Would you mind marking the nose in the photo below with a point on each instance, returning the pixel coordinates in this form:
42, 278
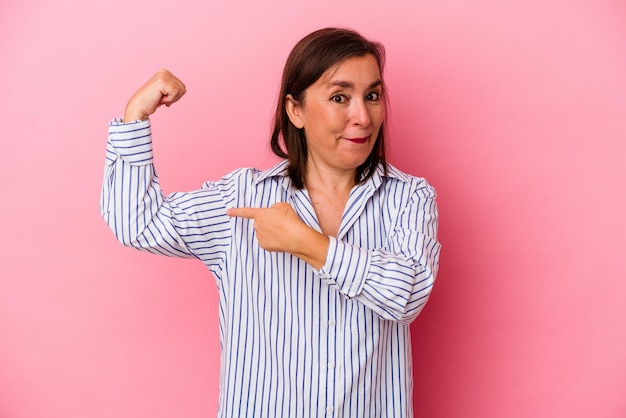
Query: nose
359, 113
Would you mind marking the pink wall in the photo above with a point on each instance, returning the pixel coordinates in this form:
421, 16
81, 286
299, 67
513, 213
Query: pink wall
515, 111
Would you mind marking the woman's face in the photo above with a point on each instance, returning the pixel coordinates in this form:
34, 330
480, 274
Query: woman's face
341, 114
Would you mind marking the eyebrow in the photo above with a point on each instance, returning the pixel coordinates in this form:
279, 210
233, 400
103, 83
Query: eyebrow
349, 85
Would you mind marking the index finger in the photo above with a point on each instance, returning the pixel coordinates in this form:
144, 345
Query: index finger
243, 212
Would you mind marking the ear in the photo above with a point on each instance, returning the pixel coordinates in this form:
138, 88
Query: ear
294, 111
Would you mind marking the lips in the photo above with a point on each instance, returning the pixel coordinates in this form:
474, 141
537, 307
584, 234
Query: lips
358, 140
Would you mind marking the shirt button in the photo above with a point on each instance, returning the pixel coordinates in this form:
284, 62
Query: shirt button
331, 365
329, 409
331, 323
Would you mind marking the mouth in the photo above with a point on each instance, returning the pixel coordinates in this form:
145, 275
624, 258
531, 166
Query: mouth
358, 140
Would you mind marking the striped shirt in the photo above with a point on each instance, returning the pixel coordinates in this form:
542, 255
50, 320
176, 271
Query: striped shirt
295, 341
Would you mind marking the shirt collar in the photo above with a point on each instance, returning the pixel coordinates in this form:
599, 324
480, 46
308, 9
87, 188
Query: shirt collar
280, 170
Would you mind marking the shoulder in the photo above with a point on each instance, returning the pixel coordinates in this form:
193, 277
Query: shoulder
247, 176
242, 184
417, 185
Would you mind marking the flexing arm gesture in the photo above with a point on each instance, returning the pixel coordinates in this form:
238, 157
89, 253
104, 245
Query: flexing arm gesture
162, 89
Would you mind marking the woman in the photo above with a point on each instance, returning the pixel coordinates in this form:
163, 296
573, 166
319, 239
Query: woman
321, 262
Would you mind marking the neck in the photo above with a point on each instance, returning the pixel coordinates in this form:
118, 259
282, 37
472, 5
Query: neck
328, 179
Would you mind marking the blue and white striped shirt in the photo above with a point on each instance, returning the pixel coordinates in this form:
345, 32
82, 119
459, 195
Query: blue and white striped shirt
295, 341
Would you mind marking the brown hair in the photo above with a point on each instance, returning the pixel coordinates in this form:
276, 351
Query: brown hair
308, 60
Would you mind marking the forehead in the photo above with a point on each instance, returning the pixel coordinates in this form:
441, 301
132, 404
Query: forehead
353, 70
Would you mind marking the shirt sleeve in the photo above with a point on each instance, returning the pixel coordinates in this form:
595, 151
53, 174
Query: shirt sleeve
185, 225
394, 281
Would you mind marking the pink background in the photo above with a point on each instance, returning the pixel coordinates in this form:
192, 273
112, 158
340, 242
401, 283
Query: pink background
514, 110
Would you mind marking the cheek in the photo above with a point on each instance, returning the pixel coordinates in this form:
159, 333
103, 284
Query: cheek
326, 119
335, 121
378, 115
337, 116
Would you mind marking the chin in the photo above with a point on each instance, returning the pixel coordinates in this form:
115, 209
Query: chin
354, 164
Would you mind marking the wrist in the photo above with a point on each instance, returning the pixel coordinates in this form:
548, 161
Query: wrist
131, 115
312, 247
135, 110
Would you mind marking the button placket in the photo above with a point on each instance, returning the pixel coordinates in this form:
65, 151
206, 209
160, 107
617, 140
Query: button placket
335, 347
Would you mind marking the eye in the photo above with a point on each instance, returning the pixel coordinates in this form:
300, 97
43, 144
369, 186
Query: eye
339, 98
373, 96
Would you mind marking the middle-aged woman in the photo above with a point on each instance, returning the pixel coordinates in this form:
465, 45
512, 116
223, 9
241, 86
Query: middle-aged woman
321, 262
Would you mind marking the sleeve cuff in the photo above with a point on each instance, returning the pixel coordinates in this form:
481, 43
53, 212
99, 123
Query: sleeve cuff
132, 142
346, 266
